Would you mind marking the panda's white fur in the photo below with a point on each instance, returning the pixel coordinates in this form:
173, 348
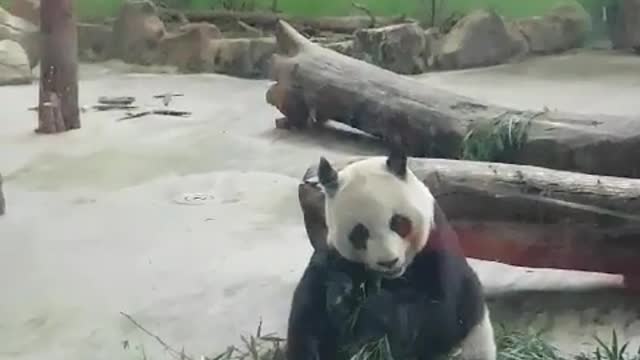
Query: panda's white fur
369, 192
480, 343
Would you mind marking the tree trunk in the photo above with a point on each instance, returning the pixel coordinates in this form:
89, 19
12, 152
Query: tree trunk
523, 215
314, 84
58, 108
265, 20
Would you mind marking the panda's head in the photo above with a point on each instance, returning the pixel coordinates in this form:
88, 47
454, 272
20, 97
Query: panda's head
378, 212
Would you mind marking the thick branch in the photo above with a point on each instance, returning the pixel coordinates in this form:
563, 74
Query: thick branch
433, 122
523, 215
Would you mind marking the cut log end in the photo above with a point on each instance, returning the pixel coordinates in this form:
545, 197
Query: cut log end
290, 42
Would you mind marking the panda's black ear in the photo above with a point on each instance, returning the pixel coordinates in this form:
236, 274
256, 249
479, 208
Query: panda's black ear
327, 176
397, 161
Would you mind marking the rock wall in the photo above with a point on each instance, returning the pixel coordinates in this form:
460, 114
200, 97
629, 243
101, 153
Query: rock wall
482, 38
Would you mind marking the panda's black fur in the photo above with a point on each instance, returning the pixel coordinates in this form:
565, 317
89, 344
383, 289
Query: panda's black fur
427, 312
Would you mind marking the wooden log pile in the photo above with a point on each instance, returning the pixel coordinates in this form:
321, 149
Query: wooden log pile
578, 208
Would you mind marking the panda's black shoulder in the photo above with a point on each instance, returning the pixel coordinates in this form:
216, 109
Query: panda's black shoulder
309, 332
444, 272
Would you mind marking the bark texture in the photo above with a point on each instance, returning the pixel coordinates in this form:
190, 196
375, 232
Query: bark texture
58, 107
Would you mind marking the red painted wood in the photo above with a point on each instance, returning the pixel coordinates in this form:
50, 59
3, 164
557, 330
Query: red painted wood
542, 249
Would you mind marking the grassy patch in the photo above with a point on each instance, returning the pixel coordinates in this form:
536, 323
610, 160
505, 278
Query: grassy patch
498, 139
512, 345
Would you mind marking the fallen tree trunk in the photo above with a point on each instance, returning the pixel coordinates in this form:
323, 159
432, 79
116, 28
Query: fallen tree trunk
314, 84
522, 215
265, 20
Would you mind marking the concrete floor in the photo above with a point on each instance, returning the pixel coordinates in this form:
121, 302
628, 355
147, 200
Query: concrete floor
103, 219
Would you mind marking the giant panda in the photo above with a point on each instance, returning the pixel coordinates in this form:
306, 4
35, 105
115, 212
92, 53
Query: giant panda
384, 223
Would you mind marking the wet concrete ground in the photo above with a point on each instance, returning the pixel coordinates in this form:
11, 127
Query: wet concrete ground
103, 219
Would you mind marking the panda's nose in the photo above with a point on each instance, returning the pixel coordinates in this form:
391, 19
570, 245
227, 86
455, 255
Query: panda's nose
389, 264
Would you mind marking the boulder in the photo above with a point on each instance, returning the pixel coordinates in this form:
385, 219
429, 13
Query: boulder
14, 64
478, 39
3, 205
563, 28
626, 27
343, 47
94, 41
248, 58
399, 48
187, 48
432, 43
519, 44
137, 32
21, 31
27, 9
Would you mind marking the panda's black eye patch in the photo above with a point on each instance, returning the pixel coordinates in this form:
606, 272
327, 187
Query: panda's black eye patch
359, 236
400, 224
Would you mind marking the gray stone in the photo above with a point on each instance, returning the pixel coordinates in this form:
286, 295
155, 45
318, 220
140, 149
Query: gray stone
433, 43
248, 58
94, 42
14, 64
137, 32
519, 43
478, 39
343, 47
399, 48
187, 48
23, 32
563, 28
626, 31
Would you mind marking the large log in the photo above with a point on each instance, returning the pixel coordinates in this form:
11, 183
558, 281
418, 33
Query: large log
266, 20
314, 84
522, 215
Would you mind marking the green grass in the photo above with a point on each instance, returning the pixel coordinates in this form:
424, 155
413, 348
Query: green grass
512, 345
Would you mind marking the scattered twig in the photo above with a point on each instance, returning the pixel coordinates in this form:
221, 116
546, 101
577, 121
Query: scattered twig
162, 96
248, 28
366, 10
166, 98
106, 107
118, 100
175, 353
177, 113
